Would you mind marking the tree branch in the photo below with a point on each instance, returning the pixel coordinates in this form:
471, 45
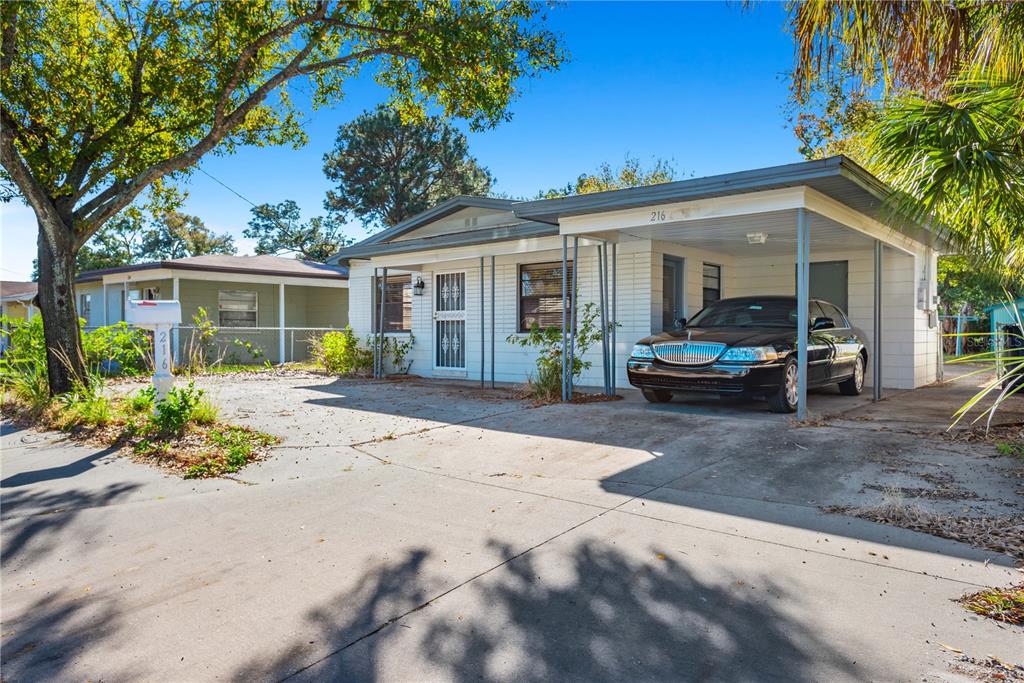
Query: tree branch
252, 49
7, 40
21, 174
119, 195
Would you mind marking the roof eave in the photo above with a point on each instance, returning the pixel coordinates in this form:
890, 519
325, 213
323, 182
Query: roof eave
450, 240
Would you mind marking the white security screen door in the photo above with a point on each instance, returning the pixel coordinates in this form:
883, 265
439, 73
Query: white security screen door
450, 321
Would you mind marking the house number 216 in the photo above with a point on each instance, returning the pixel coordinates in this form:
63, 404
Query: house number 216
657, 216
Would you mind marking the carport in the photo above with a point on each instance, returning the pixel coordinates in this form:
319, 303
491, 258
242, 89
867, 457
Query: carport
771, 225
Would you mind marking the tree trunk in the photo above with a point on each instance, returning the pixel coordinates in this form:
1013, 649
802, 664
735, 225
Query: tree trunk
65, 363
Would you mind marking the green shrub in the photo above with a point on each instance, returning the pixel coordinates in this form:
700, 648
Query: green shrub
174, 412
25, 346
117, 349
339, 353
141, 401
546, 384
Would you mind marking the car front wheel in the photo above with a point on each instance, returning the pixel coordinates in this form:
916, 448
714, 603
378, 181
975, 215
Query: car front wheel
854, 385
784, 399
657, 395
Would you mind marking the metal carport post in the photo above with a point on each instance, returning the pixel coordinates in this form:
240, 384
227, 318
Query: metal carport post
565, 284
803, 322
876, 333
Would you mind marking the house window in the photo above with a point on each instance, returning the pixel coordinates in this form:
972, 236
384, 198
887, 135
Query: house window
237, 308
151, 293
85, 307
397, 304
712, 283
540, 295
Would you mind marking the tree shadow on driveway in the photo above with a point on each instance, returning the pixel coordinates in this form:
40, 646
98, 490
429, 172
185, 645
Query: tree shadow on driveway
33, 519
589, 613
65, 471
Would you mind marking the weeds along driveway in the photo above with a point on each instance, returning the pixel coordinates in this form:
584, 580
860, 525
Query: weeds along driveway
421, 532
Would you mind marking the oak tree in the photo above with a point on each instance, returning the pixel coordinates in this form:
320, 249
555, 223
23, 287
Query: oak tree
100, 99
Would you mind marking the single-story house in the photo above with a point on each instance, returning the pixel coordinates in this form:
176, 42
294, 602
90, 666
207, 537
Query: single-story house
271, 303
16, 299
471, 272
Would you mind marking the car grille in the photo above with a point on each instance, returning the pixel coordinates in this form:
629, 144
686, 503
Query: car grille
688, 352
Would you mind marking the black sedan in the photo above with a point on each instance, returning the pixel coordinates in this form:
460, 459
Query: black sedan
747, 347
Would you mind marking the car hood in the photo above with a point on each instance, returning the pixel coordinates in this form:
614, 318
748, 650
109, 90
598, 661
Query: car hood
731, 336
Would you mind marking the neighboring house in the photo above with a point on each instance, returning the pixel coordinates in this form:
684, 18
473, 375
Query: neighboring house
1000, 317
16, 299
16, 303
677, 246
273, 303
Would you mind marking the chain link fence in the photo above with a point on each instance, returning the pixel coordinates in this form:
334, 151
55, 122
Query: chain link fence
198, 346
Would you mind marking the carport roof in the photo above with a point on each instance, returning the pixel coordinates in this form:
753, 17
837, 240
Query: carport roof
837, 177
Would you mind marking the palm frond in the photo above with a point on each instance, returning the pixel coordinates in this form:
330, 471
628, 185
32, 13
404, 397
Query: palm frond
957, 163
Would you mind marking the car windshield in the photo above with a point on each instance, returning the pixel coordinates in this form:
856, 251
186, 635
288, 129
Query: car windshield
747, 313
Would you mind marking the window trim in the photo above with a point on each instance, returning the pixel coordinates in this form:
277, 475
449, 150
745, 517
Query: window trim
375, 303
85, 307
519, 289
255, 310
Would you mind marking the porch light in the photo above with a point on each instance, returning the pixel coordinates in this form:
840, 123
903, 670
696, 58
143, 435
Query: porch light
757, 237
417, 289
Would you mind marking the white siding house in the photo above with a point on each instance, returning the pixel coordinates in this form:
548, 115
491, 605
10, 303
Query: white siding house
744, 224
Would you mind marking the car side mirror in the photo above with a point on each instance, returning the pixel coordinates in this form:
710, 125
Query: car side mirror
681, 323
823, 324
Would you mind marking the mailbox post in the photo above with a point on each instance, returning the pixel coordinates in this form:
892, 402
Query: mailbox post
161, 317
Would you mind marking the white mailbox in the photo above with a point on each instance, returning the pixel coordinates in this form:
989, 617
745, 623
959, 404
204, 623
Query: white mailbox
149, 314
161, 317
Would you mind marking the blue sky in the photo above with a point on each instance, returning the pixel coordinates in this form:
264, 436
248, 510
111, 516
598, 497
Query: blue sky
700, 84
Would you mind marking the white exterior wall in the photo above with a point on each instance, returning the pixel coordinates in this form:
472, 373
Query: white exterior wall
513, 363
909, 344
901, 321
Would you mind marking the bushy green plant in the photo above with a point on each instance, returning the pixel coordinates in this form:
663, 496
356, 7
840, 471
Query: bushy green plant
174, 412
142, 400
396, 350
24, 348
117, 349
546, 384
338, 352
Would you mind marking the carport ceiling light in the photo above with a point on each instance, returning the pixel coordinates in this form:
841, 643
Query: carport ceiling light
757, 237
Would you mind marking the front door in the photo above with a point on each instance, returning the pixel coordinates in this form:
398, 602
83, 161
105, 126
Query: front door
450, 321
671, 293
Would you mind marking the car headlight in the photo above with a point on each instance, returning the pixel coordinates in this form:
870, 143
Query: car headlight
642, 351
749, 354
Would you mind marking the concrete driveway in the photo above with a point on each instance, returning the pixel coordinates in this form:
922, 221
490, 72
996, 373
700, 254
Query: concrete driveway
424, 532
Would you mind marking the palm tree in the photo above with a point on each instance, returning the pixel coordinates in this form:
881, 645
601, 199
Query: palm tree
948, 134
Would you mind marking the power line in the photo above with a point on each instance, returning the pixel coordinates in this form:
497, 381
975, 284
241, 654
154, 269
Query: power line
226, 187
